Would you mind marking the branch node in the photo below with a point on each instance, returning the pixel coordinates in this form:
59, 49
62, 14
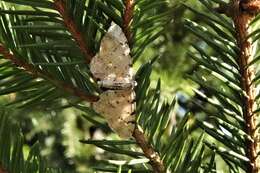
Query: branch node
250, 7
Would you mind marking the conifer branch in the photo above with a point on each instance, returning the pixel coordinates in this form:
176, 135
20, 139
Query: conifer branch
34, 71
138, 133
241, 21
148, 150
60, 6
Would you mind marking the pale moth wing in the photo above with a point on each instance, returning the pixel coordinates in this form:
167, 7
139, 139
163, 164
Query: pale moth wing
117, 108
112, 67
113, 63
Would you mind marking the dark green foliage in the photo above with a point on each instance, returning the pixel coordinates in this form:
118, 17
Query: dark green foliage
12, 155
148, 24
216, 53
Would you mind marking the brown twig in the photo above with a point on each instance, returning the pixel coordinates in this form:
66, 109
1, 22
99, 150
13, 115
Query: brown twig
128, 17
149, 152
34, 71
138, 134
60, 6
242, 20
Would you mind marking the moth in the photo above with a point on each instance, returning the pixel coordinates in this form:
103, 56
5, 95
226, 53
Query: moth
112, 67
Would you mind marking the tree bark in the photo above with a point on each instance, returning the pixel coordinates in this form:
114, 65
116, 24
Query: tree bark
243, 13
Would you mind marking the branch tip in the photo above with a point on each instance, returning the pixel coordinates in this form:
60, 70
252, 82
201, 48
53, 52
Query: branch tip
128, 17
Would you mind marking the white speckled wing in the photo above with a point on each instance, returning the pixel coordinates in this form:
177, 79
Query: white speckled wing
113, 62
118, 108
112, 66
